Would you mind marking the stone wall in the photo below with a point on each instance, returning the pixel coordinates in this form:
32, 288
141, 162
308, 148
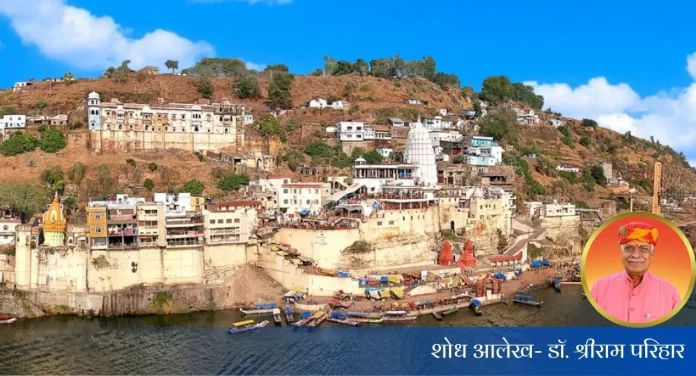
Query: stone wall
109, 140
80, 270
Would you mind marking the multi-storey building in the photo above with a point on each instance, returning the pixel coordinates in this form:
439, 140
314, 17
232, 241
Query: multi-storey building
8, 227
349, 131
182, 226
113, 224
151, 224
230, 221
302, 197
192, 127
484, 151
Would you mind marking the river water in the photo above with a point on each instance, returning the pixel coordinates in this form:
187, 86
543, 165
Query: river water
198, 343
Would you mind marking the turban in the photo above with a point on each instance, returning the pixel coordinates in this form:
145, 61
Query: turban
639, 231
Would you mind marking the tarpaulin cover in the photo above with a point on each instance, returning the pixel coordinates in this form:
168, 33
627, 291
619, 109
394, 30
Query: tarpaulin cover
374, 294
282, 253
266, 305
476, 303
274, 248
305, 315
394, 278
384, 293
383, 279
343, 274
398, 292
340, 316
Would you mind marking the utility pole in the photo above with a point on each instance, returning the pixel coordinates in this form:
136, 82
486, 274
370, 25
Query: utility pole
657, 184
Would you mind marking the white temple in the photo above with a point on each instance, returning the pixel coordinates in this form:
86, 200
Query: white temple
419, 152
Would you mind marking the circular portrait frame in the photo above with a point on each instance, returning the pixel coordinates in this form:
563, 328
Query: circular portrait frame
637, 216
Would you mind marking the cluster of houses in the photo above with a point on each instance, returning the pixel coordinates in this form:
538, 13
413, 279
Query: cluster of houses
13, 123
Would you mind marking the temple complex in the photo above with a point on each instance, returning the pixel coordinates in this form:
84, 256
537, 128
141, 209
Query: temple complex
54, 224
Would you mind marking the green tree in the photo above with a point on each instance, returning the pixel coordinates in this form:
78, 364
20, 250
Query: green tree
320, 152
217, 67
589, 123
373, 157
429, 68
318, 73
172, 64
597, 173
467, 92
499, 124
70, 203
269, 126
152, 166
524, 93
193, 186
279, 94
277, 68
247, 86
77, 173
23, 198
53, 178
585, 141
446, 79
458, 159
68, 76
231, 183
329, 65
41, 104
18, 143
149, 184
52, 140
205, 87
497, 89
361, 67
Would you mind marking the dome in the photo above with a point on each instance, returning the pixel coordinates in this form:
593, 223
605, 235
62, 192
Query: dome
360, 160
93, 95
53, 219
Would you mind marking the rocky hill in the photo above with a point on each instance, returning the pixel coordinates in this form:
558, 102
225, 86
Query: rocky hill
372, 99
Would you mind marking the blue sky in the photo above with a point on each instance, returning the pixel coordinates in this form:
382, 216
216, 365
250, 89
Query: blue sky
623, 63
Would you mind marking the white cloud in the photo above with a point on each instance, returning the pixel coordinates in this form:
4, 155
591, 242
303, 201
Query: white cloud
669, 116
256, 67
78, 38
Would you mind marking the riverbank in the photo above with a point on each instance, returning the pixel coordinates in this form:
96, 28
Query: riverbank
247, 286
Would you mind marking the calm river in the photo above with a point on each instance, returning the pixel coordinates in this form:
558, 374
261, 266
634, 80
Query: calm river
199, 344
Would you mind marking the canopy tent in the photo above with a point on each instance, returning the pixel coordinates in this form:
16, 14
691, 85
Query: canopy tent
476, 303
384, 293
395, 278
340, 194
397, 292
374, 294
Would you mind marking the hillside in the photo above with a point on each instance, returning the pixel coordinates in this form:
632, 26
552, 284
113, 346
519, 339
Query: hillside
372, 99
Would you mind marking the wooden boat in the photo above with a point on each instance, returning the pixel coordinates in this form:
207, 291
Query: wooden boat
276, 316
450, 311
437, 315
7, 319
476, 307
244, 326
288, 315
342, 318
397, 316
526, 300
305, 317
368, 321
260, 309
317, 319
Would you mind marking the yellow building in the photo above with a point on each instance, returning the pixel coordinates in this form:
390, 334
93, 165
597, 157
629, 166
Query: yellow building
197, 203
96, 220
54, 224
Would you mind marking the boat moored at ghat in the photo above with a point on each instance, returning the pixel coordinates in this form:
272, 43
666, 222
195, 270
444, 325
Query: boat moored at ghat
7, 319
342, 318
526, 300
247, 325
260, 309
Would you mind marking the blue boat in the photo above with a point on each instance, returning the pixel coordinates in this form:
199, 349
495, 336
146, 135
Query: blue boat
305, 317
342, 318
288, 315
245, 326
476, 307
260, 309
526, 300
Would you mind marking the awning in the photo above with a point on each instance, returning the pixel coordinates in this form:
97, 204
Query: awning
340, 194
282, 253
275, 248
384, 293
374, 294
398, 292
395, 278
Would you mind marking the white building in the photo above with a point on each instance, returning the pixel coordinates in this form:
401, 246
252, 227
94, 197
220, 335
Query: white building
396, 122
347, 131
301, 198
174, 203
385, 152
561, 168
8, 226
556, 123
248, 119
419, 152
558, 210
443, 112
447, 136
321, 103
12, 122
230, 221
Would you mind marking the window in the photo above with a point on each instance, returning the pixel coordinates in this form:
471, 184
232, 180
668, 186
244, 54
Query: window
98, 230
391, 223
236, 220
212, 221
285, 181
97, 216
379, 223
285, 191
309, 202
285, 201
229, 220
220, 220
316, 191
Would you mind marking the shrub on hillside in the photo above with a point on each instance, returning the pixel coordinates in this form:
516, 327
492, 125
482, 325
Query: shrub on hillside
193, 186
231, 183
52, 140
18, 143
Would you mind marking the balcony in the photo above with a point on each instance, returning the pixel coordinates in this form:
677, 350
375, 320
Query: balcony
124, 232
183, 234
184, 222
175, 243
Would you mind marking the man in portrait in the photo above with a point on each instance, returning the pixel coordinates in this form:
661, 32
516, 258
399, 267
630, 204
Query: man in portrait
635, 295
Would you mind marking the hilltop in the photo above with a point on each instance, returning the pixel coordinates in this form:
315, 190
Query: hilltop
371, 99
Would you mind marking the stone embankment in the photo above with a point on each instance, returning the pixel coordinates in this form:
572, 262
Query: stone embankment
249, 285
